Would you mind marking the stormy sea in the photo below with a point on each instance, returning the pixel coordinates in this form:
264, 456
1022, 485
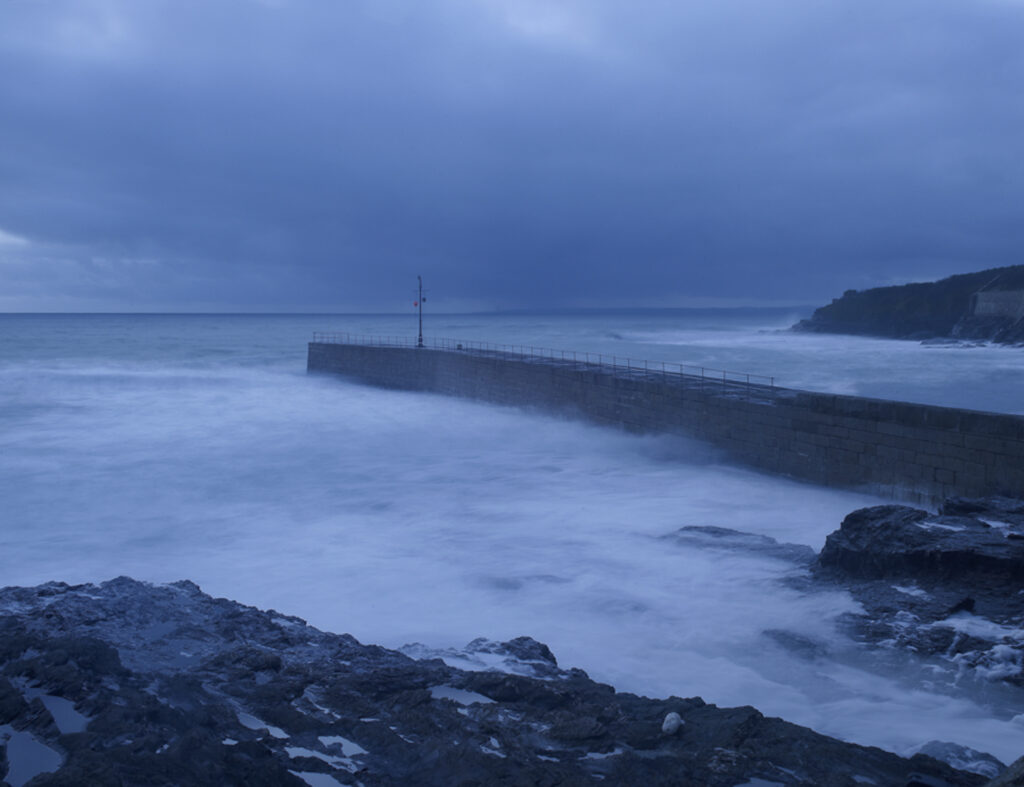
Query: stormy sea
166, 447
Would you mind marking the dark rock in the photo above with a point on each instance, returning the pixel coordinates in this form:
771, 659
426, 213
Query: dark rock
897, 541
946, 585
520, 648
708, 537
1011, 777
923, 780
1001, 509
181, 688
965, 604
964, 758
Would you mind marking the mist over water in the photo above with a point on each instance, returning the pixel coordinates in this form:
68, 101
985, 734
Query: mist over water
171, 447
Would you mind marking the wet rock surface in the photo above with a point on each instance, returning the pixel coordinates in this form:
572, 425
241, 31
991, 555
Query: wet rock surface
949, 584
1011, 777
941, 599
726, 540
979, 547
128, 683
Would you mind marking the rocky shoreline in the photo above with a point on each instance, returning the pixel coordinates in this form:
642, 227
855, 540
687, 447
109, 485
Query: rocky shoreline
949, 585
130, 683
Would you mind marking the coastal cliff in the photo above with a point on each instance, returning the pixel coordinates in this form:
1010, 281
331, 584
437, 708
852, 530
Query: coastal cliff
986, 305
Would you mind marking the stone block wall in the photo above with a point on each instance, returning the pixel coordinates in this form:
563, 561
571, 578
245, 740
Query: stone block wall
999, 303
905, 451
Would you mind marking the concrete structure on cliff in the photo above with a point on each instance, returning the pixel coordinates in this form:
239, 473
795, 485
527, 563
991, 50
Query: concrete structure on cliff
905, 451
998, 303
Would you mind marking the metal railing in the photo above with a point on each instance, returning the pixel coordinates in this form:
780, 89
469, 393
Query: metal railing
685, 375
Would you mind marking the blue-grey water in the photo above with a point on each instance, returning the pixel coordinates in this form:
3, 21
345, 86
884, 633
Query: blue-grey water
165, 447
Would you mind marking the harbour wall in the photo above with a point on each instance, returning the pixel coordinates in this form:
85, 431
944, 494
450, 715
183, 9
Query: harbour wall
905, 451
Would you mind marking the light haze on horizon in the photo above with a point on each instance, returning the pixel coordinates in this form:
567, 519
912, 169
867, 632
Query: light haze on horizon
303, 155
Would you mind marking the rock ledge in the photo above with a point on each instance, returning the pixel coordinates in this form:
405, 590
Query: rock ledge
129, 683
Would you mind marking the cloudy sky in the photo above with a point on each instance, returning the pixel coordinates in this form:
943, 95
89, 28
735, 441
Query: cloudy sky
253, 155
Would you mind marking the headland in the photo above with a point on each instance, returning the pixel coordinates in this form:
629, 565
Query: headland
986, 305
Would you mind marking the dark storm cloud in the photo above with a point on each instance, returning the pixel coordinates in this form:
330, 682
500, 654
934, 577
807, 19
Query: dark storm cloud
309, 154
